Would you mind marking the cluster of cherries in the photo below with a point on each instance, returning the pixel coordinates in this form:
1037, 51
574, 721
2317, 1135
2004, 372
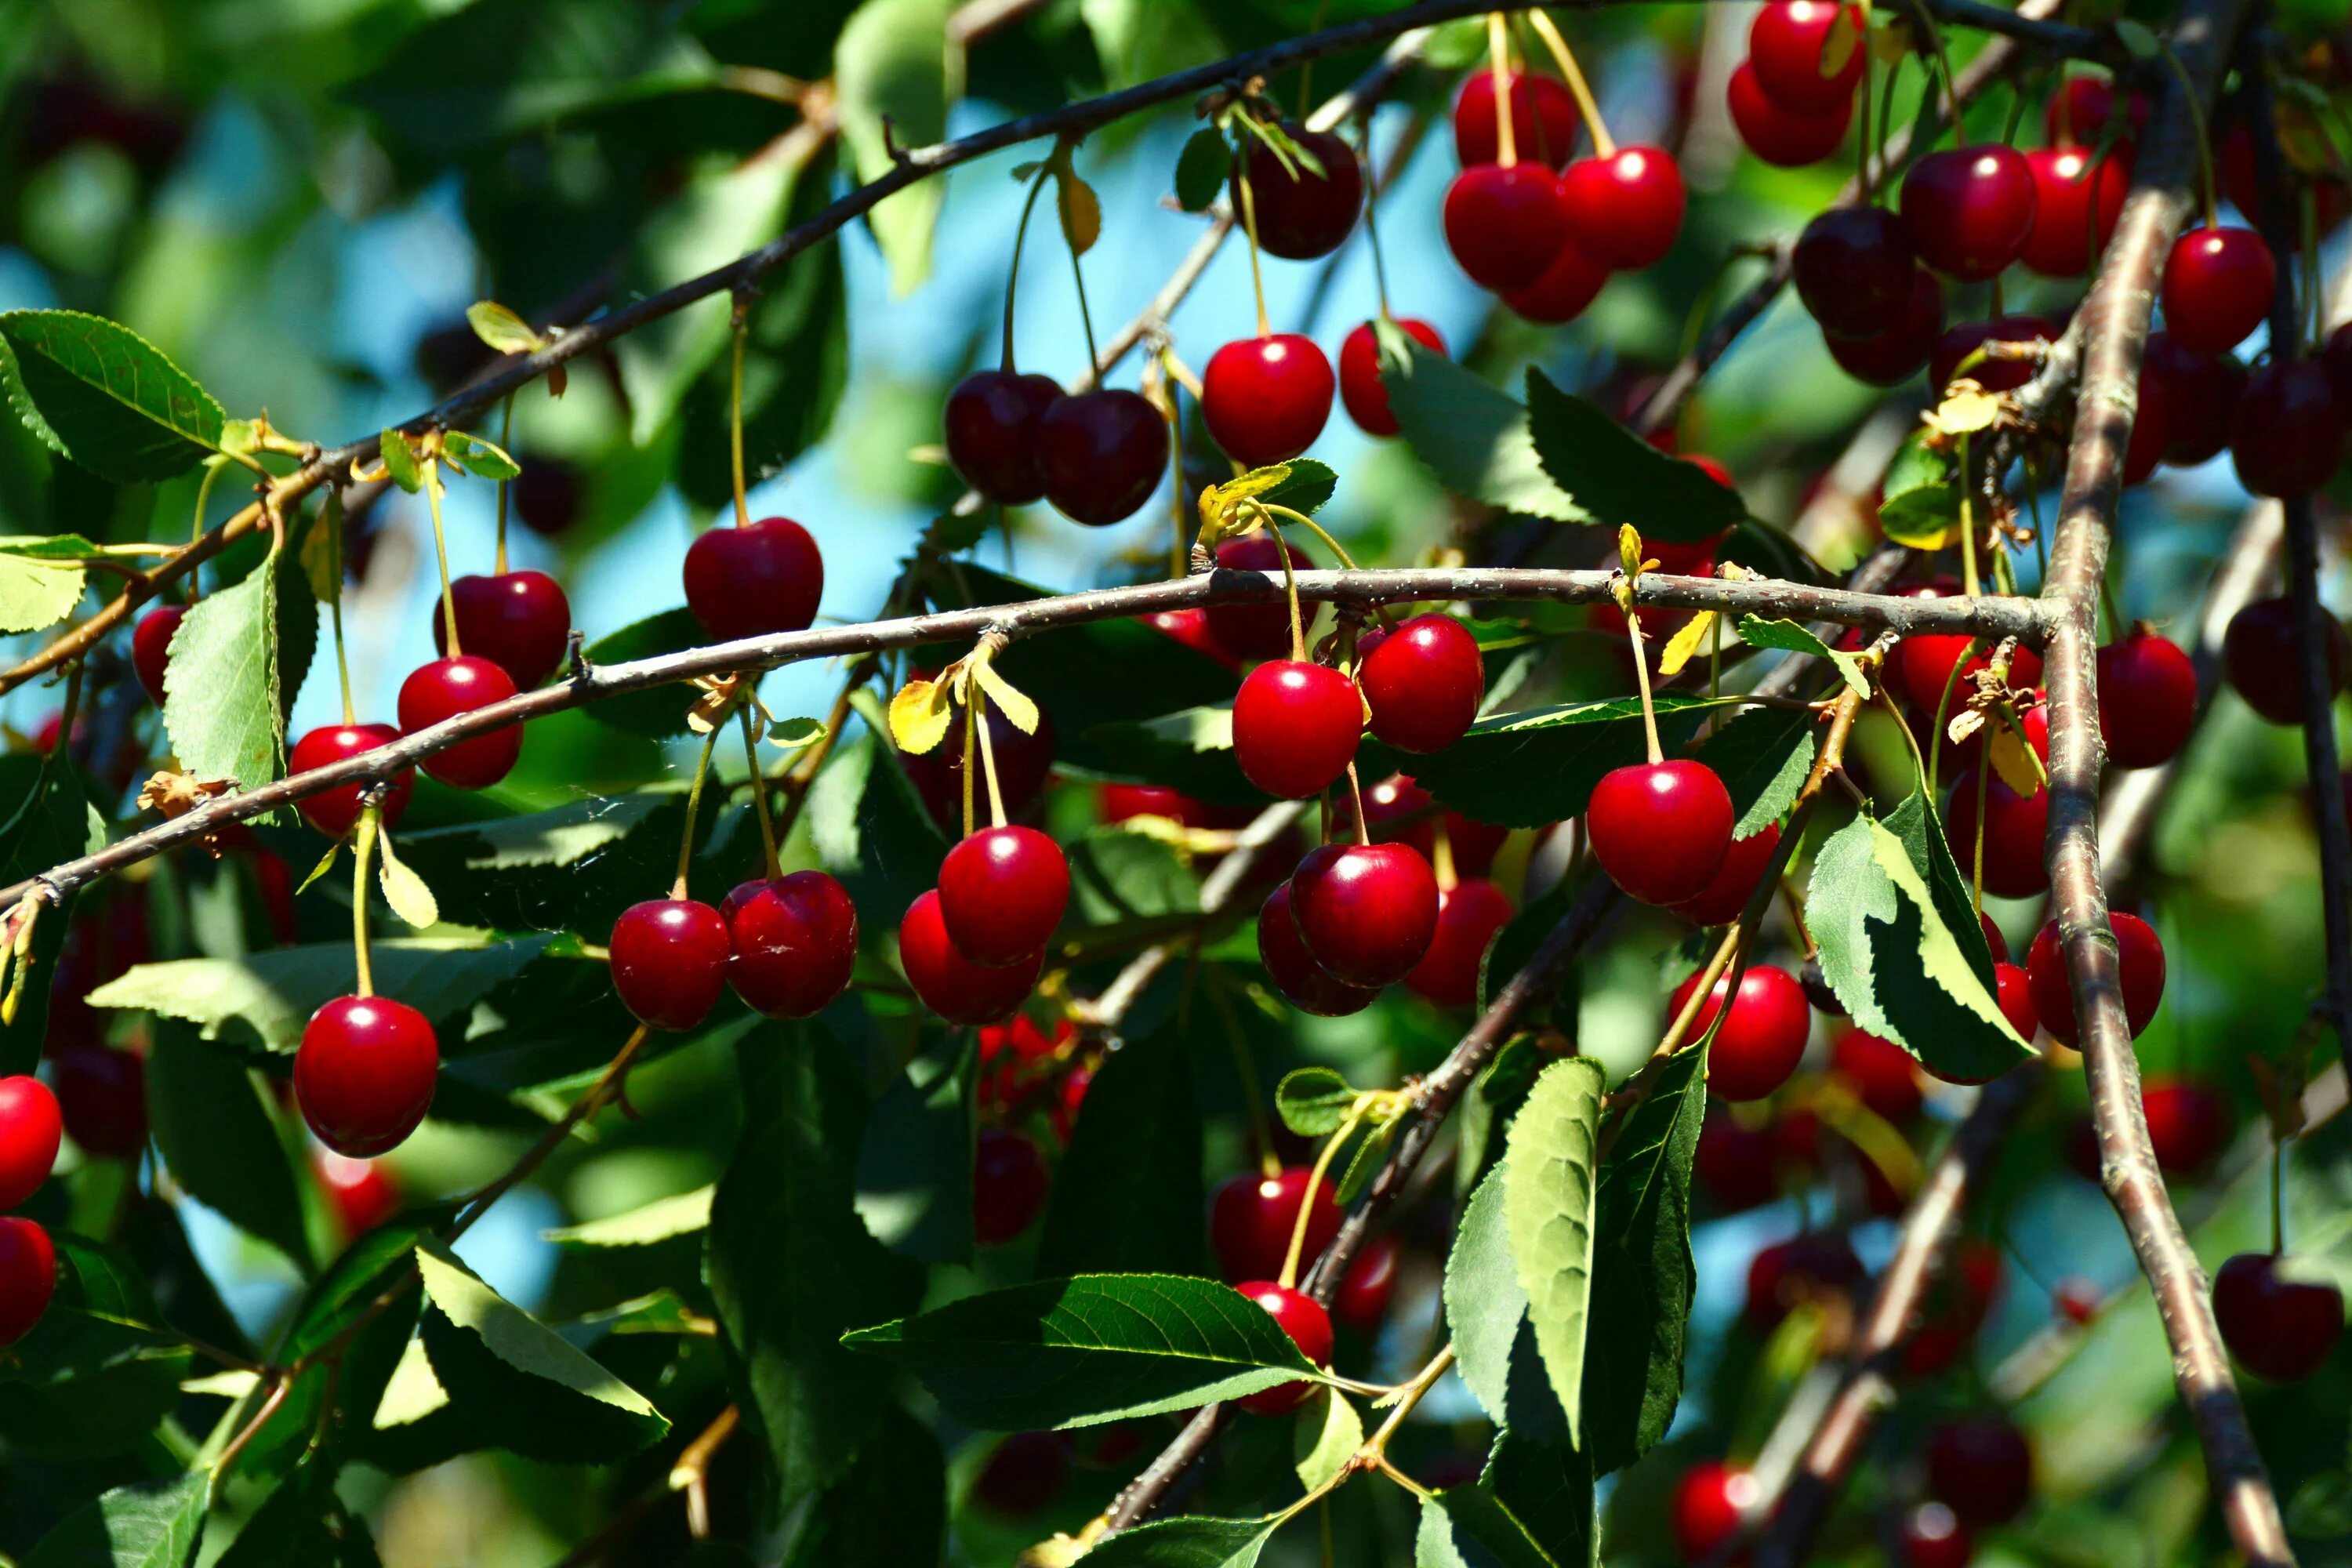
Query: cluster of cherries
31, 1129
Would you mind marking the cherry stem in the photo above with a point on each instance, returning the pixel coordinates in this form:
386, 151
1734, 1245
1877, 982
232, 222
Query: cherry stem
1288, 1278
1085, 317
363, 852
741, 323
1299, 517
204, 493
1306, 71
694, 807
441, 555
1013, 274
506, 445
1179, 547
987, 760
970, 744
1968, 520
2315, 308
1290, 592
330, 518
2278, 1197
1356, 794
760, 795
1587, 105
1498, 64
1249, 229
1371, 223
1942, 717
1984, 785
1441, 853
1642, 678
2188, 95
1866, 143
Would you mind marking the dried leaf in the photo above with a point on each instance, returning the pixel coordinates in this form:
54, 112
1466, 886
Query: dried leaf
403, 889
1081, 210
1686, 643
1967, 410
1011, 700
2015, 765
176, 795
920, 715
717, 701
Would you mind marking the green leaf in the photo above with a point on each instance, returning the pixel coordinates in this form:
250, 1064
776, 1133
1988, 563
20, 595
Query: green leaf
1313, 1101
1127, 1194
400, 462
892, 64
50, 546
45, 818
1487, 1310
1618, 478
147, 1524
659, 711
95, 392
35, 592
1310, 485
1547, 1488
1921, 829
501, 328
1117, 877
1757, 632
660, 1220
1762, 756
1493, 1097
889, 1509
1464, 1527
1921, 502
410, 898
1534, 768
914, 1164
1191, 751
1472, 439
1201, 168
303, 1522
220, 1142
1549, 1199
1326, 1435
564, 869
1193, 1542
1099, 1347
481, 458
222, 698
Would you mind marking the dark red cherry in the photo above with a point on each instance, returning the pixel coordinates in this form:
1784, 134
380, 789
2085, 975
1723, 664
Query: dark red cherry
445, 688
2286, 437
1251, 1218
947, 981
1562, 290
1367, 912
1125, 803
1190, 627
1992, 374
1853, 267
1881, 1073
2218, 282
992, 432
1894, 356
1266, 399
1398, 811
2140, 965
1309, 1327
363, 1192
1470, 914
30, 1129
1423, 681
1307, 984
2147, 699
333, 811
151, 647
1926, 660
2075, 203
1762, 1041
2014, 829
1786, 139
2201, 398
2078, 112
1804, 1267
1932, 1536
1008, 1185
1543, 119
1101, 455
1302, 215
548, 495
1661, 830
520, 621
102, 1100
2188, 1122
1970, 210
1361, 1300
2282, 1330
1738, 1164
2336, 359
749, 581
1995, 943
1261, 630
28, 1277
1505, 225
1295, 726
1726, 893
2258, 655
2151, 430
1001, 893
1625, 209
1710, 1501
669, 960
1956, 1308
1025, 1472
1367, 400
2013, 993
1790, 46
363, 1073
1980, 1467
791, 943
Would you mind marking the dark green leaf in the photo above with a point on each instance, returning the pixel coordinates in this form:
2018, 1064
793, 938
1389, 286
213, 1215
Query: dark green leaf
914, 1165
661, 1220
1313, 1101
220, 1142
400, 464
1794, 638
224, 702
1493, 1097
1200, 171
1548, 1489
1549, 1201
1535, 768
1127, 1194
1618, 478
1194, 1542
1310, 484
1920, 499
659, 711
302, 1522
98, 393
888, 1511
1464, 1527
1116, 876
1472, 439
1191, 751
1922, 832
148, 1524
45, 819
1762, 757
1516, 947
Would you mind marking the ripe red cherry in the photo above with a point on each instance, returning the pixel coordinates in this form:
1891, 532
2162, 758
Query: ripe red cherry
1726, 893
1505, 225
1881, 1073
1543, 119
1894, 356
1762, 1040
2281, 1329
1125, 803
2201, 398
749, 581
363, 1073
2218, 286
30, 1129
2147, 699
1025, 1472
1992, 374
1788, 46
1251, 1218
1190, 627
2141, 966
1308, 986
992, 432
1361, 389
2258, 655
669, 960
1710, 1500
1266, 399
2286, 437
1739, 1166
1779, 137
363, 1193
444, 689
1469, 915
520, 621
1781, 1276
1626, 208
1301, 216
28, 1277
1969, 210
333, 811
2014, 829
1931, 1536
1854, 267
1980, 1467
1367, 912
1001, 893
790, 943
1423, 681
2013, 993
151, 647
2075, 205
1661, 830
1295, 726
1309, 1327
950, 984
1256, 631
1926, 660
102, 1100
1562, 290
1361, 1300
1008, 1185
2188, 1122
1101, 455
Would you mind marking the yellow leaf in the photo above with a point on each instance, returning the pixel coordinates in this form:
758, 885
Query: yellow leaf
1629, 549
1014, 702
1221, 504
1081, 212
1966, 411
1686, 643
920, 715
403, 889
2011, 760
1838, 48
501, 328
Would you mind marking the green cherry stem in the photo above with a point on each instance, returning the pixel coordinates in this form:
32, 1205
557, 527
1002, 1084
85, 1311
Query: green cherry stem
1249, 227
1603, 145
330, 518
441, 555
1499, 65
987, 761
1356, 794
204, 493
760, 795
741, 322
1657, 754
362, 853
1289, 1276
1371, 223
694, 807
970, 744
506, 445
1290, 592
1013, 274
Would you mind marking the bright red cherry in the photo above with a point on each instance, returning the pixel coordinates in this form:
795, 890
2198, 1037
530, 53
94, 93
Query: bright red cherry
2201, 398
1894, 356
363, 1073
1295, 726
445, 688
1562, 290
1881, 1073
2218, 282
1309, 1327
2282, 1330
1970, 210
1367, 912
363, 1193
1931, 1536
1543, 119
333, 811
2258, 655
1025, 1472
1251, 1218
992, 432
1190, 627
669, 960
1791, 46
1008, 1185
1661, 830
2140, 963
1992, 374
2014, 829
1726, 893
102, 1100
28, 1277
1266, 399
1786, 139
1101, 455
1001, 893
1361, 389
1423, 681
950, 984
520, 621
1781, 1276
151, 647
1738, 1164
1980, 1467
1505, 225
1626, 208
1710, 1501
1301, 215
791, 943
2013, 993
1470, 914
2075, 203
2147, 699
2188, 1122
1854, 267
2286, 437
1361, 1300
1307, 986
749, 581
1762, 1040
30, 1130
1256, 631
1926, 660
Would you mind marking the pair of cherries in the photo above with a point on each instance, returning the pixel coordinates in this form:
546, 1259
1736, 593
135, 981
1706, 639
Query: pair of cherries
1793, 98
31, 1129
1352, 918
2261, 659
786, 944
973, 947
1266, 399
1016, 439
1297, 723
